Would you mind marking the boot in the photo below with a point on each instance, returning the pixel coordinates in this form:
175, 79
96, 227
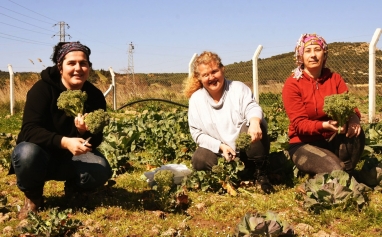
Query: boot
75, 197
33, 201
261, 175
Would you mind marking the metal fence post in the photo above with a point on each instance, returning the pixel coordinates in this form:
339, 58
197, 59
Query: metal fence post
11, 88
190, 64
372, 74
255, 73
114, 88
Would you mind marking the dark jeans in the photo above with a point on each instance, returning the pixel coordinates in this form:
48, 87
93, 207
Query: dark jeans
204, 159
341, 153
34, 166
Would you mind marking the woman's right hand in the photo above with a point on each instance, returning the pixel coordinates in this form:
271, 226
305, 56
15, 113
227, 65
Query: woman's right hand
75, 145
228, 153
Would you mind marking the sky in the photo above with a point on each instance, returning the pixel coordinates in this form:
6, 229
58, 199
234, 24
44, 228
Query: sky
167, 33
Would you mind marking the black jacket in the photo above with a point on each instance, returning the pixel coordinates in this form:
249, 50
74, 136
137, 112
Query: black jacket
45, 125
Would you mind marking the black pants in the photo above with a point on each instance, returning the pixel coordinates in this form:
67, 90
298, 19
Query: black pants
204, 159
341, 153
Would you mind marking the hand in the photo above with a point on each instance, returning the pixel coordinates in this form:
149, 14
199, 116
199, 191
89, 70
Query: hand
254, 129
79, 122
228, 153
354, 126
332, 125
75, 145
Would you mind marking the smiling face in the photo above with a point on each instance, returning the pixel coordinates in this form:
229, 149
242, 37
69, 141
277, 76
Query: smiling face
212, 78
74, 70
313, 57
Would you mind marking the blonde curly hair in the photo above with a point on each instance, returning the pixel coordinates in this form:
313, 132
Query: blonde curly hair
193, 82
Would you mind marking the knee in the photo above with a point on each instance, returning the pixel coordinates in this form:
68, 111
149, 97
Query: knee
204, 159
27, 153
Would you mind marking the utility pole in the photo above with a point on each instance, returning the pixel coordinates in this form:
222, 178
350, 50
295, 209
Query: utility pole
130, 64
62, 31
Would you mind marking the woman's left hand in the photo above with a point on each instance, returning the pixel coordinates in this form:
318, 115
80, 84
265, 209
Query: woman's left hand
254, 129
354, 126
79, 122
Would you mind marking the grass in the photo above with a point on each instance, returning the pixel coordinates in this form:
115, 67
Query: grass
120, 211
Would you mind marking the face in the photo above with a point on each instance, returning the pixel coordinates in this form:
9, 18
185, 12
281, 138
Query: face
74, 70
212, 78
314, 57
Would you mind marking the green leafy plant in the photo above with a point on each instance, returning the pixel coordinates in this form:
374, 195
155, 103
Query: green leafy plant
167, 195
7, 143
371, 173
256, 224
58, 223
278, 123
340, 107
72, 102
222, 178
243, 141
97, 120
336, 189
120, 143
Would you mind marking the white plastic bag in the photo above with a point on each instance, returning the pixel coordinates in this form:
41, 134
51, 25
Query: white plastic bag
179, 171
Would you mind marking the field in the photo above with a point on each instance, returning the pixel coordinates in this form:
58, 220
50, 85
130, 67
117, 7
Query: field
127, 206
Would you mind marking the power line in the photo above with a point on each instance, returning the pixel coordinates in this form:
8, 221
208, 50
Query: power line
25, 15
33, 11
23, 40
23, 21
24, 28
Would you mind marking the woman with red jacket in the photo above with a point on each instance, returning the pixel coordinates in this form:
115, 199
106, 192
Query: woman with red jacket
313, 145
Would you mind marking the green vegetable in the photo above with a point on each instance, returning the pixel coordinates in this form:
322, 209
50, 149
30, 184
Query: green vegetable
339, 107
336, 189
257, 224
97, 120
243, 141
164, 178
72, 102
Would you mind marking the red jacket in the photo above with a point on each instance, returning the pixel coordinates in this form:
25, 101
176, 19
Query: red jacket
303, 101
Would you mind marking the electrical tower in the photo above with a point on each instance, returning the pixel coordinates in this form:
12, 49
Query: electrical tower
62, 31
130, 64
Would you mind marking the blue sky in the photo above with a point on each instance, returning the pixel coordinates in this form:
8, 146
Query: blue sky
167, 33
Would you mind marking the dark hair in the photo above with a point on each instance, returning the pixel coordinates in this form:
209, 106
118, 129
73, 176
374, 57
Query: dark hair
57, 51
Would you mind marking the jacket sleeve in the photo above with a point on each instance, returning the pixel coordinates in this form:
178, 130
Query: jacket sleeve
36, 117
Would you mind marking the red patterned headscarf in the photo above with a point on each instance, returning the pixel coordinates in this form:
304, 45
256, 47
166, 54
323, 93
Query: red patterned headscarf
69, 47
305, 40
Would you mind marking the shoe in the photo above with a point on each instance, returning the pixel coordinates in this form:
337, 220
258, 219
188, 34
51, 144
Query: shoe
74, 196
265, 184
30, 205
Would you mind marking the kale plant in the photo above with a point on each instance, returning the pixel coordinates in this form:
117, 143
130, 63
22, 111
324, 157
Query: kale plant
243, 141
223, 177
167, 195
336, 189
340, 107
72, 102
97, 120
256, 225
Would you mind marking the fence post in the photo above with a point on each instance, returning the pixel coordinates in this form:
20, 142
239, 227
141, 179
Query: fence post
11, 88
190, 64
255, 73
114, 88
372, 70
